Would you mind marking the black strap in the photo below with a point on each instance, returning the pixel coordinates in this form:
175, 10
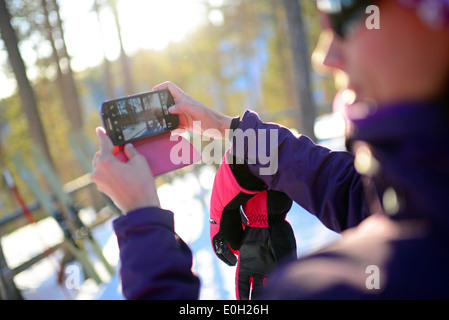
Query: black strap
235, 123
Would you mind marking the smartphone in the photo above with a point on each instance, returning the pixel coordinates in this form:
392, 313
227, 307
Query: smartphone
139, 116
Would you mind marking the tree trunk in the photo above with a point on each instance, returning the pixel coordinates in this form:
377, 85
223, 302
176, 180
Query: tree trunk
107, 63
26, 93
301, 67
60, 76
280, 29
72, 100
124, 59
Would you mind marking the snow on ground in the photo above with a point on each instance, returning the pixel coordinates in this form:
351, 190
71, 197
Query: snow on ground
188, 197
41, 280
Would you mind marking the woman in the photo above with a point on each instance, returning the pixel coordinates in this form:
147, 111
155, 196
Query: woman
388, 199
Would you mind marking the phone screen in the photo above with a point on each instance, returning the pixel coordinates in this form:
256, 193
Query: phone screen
139, 116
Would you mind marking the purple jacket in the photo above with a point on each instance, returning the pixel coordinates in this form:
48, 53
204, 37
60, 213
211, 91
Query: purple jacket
403, 255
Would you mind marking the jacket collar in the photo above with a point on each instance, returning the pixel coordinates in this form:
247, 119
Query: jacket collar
409, 146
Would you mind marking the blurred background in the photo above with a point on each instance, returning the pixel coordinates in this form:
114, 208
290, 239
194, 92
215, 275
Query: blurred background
60, 59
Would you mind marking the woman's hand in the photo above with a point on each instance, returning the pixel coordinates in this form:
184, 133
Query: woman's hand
130, 185
211, 123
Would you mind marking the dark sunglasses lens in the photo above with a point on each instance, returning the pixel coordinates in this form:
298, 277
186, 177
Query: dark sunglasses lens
337, 24
342, 13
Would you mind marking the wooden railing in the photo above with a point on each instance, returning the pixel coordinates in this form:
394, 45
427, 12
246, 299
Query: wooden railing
76, 233
59, 205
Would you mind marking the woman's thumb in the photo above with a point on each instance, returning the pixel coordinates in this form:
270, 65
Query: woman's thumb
130, 151
174, 109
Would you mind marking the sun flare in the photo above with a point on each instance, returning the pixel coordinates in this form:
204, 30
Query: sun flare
144, 24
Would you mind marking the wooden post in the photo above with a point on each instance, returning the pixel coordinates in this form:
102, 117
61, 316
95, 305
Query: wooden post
66, 202
8, 289
51, 210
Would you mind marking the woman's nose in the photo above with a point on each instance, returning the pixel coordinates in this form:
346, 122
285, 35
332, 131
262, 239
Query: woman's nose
327, 54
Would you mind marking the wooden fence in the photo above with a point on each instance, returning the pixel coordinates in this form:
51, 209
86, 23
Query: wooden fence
57, 204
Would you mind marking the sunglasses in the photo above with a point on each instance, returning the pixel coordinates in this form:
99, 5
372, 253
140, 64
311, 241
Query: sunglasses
344, 15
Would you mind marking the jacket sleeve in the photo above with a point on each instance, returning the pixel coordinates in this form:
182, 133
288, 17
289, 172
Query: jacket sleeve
323, 182
155, 262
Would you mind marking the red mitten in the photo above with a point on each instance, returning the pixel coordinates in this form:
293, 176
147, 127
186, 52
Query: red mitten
248, 225
226, 228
